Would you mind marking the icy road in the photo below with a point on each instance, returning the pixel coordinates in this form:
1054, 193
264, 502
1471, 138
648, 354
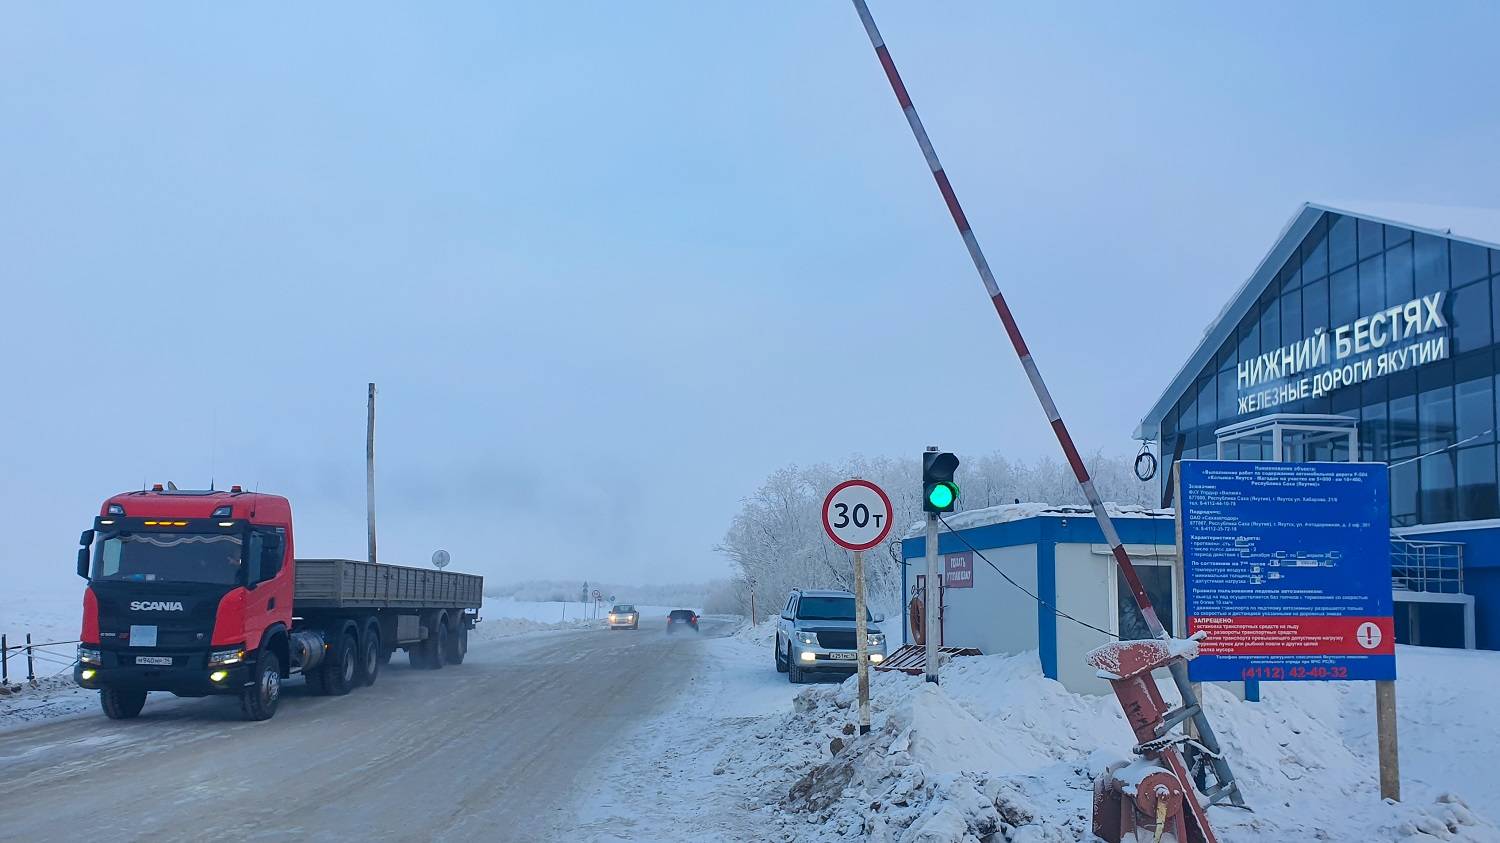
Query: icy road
495, 749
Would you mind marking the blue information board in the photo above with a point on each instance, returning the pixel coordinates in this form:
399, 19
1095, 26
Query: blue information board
1287, 568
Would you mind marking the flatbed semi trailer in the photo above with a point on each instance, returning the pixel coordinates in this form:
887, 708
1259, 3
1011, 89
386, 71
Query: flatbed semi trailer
200, 593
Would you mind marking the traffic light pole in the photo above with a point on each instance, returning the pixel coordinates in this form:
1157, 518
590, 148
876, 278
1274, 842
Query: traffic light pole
931, 599
1227, 786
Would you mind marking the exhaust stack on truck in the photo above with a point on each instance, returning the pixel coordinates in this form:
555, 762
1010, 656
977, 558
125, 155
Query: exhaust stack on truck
200, 593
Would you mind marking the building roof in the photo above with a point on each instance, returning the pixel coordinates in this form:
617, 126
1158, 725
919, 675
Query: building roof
1480, 226
1007, 512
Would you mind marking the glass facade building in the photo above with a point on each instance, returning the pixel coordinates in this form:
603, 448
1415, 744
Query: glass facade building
1395, 325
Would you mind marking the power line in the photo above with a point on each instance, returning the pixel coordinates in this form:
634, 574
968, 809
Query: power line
1059, 612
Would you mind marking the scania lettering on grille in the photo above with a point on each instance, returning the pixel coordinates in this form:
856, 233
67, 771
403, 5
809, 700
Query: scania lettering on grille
156, 605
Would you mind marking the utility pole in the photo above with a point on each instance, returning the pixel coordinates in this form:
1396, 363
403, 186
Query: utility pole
754, 618
370, 472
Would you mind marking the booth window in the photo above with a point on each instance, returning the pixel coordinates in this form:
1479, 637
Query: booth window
1158, 582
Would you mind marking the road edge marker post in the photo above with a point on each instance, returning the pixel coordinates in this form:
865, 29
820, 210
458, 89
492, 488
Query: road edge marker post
1229, 786
850, 532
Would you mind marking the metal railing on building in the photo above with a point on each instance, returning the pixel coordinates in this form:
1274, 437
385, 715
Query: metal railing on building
1426, 566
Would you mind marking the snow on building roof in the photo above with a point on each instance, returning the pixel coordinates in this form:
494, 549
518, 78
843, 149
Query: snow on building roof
1007, 512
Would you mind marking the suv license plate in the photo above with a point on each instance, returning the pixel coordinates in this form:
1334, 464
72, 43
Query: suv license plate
842, 656
162, 660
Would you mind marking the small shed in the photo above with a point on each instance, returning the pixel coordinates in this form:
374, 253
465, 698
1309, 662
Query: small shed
1058, 554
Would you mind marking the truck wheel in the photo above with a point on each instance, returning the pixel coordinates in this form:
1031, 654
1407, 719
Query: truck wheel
458, 645
341, 667
437, 645
417, 655
781, 665
370, 657
258, 701
122, 703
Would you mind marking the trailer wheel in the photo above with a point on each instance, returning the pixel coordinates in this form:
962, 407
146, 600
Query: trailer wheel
437, 645
416, 654
458, 644
341, 666
370, 658
258, 701
122, 703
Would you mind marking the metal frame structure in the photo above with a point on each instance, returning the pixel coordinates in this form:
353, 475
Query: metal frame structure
1313, 428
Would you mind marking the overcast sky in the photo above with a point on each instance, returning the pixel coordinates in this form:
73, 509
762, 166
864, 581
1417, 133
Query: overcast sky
611, 263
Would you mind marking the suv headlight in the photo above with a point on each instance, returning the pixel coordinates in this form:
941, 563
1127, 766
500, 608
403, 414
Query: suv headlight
808, 638
233, 655
88, 655
875, 639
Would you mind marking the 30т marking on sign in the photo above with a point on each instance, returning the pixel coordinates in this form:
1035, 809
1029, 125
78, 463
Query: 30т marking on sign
857, 514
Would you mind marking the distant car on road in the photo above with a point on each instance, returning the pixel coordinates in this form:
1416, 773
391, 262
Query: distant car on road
816, 635
682, 617
624, 616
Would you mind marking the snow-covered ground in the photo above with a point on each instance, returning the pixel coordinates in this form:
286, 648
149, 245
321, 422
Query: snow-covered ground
999, 749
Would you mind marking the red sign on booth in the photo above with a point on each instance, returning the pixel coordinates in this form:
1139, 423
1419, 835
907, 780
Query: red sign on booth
958, 570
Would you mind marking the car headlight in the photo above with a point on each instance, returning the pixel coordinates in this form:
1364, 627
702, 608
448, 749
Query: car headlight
234, 655
808, 638
88, 655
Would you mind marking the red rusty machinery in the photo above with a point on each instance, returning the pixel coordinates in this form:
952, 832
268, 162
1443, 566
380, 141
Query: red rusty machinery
1153, 794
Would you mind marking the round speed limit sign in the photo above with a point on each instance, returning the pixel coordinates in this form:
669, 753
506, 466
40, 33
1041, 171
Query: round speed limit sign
857, 515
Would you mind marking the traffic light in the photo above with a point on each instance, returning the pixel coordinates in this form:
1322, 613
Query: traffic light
939, 492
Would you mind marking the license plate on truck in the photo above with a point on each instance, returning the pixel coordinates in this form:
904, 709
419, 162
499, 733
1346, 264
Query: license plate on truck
842, 656
162, 660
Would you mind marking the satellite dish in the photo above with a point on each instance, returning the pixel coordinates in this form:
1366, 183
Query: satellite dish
440, 558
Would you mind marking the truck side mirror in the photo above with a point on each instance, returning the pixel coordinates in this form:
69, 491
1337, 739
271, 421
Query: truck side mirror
252, 560
83, 562
86, 538
270, 558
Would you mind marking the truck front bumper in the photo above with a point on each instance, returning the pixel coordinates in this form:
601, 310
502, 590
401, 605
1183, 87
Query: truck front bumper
189, 675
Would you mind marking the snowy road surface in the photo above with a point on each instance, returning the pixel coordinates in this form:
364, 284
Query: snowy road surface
495, 749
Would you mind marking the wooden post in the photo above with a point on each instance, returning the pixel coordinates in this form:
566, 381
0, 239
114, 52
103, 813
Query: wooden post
370, 472
4, 662
861, 642
30, 661
1385, 729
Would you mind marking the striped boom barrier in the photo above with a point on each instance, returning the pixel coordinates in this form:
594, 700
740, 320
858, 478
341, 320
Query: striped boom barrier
1227, 788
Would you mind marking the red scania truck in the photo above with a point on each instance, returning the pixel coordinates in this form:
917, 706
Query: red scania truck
199, 593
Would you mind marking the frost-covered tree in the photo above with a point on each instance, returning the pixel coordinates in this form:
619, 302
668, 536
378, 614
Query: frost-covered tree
776, 540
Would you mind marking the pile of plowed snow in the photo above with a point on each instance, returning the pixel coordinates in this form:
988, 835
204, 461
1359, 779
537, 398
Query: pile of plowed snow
998, 752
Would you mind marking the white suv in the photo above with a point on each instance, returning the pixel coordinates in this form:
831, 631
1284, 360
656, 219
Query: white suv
816, 635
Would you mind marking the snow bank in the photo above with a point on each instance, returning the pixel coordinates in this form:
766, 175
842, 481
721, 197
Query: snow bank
997, 749
1008, 512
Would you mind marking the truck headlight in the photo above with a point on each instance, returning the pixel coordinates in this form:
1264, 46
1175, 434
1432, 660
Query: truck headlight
808, 638
234, 655
88, 655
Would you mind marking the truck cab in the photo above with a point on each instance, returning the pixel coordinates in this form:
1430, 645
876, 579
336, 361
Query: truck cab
186, 590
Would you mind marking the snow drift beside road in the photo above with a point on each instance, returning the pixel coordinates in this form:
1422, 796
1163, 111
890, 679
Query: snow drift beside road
998, 752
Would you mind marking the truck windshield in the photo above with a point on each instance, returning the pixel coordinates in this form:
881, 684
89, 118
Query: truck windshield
828, 609
169, 557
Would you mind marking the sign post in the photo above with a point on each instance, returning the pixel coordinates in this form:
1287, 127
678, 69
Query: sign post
857, 516
1287, 567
